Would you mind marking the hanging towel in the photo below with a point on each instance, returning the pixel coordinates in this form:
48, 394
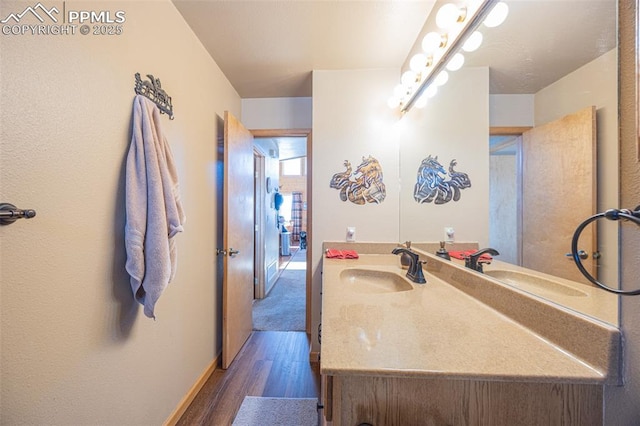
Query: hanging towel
154, 210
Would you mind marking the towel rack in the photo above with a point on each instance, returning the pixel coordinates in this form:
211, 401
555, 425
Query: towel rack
10, 213
611, 214
153, 90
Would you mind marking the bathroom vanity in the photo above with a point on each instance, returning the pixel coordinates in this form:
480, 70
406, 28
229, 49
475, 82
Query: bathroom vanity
464, 348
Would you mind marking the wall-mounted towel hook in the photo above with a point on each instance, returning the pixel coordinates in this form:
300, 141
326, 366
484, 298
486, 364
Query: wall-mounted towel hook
153, 90
10, 213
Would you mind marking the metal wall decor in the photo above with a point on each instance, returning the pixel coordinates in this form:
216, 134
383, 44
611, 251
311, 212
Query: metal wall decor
432, 184
153, 90
364, 185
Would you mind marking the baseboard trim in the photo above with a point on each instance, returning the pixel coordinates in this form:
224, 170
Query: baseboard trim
190, 396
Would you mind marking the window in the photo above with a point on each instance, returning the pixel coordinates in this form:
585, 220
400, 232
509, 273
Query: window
293, 167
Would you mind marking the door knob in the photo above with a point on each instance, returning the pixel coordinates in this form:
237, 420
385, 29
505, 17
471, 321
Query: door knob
231, 252
581, 254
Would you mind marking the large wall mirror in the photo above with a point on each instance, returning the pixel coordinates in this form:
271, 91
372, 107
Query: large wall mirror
556, 58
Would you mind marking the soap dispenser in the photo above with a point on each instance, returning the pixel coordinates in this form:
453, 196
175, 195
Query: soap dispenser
442, 252
405, 258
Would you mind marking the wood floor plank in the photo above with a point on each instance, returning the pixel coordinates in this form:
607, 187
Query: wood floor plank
271, 363
262, 369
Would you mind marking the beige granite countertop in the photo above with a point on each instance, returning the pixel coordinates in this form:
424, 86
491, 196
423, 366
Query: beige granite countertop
438, 330
587, 299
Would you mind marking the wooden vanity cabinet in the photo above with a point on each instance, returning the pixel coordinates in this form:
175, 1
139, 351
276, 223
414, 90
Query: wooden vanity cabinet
387, 401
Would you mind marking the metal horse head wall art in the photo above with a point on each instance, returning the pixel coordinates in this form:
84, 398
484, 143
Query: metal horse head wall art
432, 184
365, 185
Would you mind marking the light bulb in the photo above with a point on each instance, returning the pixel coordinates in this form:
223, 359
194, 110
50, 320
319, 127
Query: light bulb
399, 91
442, 78
431, 91
393, 102
421, 102
418, 62
431, 42
447, 16
497, 15
473, 42
408, 78
456, 62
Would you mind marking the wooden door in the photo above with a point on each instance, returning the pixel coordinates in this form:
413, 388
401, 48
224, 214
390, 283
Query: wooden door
558, 193
237, 282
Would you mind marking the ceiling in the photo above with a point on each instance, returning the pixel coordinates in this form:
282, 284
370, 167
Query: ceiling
543, 40
289, 147
268, 48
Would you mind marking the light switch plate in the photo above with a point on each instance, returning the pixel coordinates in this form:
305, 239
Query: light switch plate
351, 233
449, 234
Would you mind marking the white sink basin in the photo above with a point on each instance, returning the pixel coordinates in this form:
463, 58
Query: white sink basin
535, 283
374, 281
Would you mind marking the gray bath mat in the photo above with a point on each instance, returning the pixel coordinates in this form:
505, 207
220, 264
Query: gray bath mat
263, 411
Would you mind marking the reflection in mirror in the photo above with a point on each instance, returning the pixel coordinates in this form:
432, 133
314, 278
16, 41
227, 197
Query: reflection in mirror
549, 60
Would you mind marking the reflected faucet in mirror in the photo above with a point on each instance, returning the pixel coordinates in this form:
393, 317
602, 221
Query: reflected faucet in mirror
472, 261
414, 273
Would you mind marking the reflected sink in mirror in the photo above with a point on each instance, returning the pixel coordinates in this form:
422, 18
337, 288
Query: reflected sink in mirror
534, 283
374, 281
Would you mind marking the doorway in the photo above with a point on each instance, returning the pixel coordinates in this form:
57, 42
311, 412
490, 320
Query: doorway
504, 219
283, 222
555, 177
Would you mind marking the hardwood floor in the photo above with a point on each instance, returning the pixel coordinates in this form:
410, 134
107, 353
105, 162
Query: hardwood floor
271, 363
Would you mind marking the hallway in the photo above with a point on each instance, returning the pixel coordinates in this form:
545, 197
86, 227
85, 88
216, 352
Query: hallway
271, 363
284, 308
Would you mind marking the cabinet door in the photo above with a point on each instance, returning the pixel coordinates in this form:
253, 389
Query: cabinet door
326, 389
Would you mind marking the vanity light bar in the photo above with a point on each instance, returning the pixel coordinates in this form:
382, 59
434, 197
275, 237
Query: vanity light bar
451, 49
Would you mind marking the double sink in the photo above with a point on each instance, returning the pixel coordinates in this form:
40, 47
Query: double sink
377, 280
418, 329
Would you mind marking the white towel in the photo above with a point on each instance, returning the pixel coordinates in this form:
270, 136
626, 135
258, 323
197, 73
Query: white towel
154, 210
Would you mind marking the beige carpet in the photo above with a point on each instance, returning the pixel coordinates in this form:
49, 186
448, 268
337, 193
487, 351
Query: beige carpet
264, 411
284, 308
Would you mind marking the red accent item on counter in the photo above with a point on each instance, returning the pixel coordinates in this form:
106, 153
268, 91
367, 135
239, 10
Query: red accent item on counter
341, 254
464, 254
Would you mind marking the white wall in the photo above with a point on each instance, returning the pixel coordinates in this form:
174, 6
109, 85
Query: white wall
270, 229
351, 120
502, 218
276, 113
454, 125
76, 348
511, 110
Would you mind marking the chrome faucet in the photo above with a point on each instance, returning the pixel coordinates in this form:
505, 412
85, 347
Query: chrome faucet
415, 267
472, 260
